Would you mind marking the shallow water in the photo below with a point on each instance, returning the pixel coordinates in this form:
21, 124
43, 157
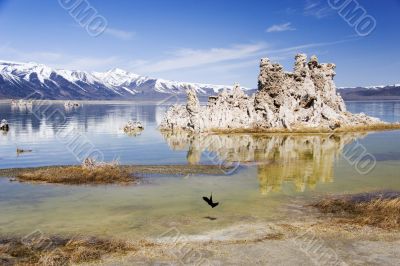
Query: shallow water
273, 171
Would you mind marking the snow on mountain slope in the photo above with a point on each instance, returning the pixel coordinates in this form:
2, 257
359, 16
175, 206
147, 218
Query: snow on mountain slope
21, 79
116, 77
373, 87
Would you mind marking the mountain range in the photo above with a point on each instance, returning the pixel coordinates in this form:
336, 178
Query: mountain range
380, 92
21, 80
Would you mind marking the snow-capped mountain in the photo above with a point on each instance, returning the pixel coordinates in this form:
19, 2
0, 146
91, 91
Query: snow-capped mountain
19, 80
378, 92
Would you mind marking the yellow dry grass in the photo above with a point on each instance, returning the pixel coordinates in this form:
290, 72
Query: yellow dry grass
373, 209
60, 251
311, 130
106, 174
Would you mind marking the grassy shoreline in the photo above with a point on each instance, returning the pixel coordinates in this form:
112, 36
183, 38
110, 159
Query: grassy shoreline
120, 174
353, 129
377, 209
300, 131
57, 250
264, 240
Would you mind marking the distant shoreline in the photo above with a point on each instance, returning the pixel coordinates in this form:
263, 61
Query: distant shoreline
181, 99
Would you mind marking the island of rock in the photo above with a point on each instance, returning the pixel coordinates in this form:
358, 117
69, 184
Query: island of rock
133, 128
302, 100
4, 125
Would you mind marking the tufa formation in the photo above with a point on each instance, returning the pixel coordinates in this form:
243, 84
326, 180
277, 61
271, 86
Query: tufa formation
302, 100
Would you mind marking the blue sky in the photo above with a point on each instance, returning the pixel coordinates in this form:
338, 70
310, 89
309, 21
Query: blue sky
206, 41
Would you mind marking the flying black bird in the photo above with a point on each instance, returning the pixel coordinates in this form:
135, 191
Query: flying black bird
210, 201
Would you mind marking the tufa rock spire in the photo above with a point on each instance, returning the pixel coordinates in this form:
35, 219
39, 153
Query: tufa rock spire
304, 99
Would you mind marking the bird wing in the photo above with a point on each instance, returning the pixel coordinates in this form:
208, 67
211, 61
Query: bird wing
207, 200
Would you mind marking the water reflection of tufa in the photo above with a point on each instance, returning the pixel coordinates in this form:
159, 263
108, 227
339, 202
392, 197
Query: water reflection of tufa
4, 125
71, 106
302, 160
21, 106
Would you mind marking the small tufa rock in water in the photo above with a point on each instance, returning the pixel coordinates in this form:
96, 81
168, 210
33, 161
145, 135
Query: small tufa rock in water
19, 151
303, 99
133, 127
4, 125
69, 104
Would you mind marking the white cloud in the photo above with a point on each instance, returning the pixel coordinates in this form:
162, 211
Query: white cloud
281, 27
301, 48
317, 9
89, 63
189, 58
120, 34
137, 63
234, 63
6, 51
58, 60
237, 56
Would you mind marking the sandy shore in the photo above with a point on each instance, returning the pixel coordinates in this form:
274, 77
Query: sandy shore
309, 239
317, 242
286, 243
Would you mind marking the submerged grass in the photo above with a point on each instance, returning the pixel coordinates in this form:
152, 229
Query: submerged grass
107, 174
379, 209
59, 251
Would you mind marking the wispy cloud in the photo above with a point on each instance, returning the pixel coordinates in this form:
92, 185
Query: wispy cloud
90, 63
132, 64
288, 11
187, 58
317, 9
281, 27
230, 63
58, 60
302, 47
7, 50
120, 34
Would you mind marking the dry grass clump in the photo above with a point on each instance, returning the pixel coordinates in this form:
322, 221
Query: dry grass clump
372, 127
380, 209
78, 175
136, 171
89, 172
59, 251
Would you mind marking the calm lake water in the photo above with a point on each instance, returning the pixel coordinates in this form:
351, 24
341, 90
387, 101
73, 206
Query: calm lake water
274, 171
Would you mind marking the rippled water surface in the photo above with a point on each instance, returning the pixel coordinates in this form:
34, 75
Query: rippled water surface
275, 170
